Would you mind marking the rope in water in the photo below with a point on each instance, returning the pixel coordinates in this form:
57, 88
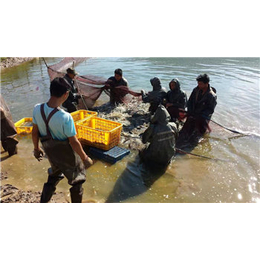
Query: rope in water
229, 129
198, 155
235, 131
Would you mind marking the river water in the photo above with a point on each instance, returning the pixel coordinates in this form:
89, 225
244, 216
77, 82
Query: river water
189, 178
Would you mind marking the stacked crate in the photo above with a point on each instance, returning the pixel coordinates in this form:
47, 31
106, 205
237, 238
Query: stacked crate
97, 132
91, 130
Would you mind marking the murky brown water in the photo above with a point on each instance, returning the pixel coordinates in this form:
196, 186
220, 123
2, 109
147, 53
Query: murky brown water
188, 179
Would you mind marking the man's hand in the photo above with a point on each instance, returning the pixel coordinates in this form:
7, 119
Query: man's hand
76, 96
108, 83
38, 154
87, 162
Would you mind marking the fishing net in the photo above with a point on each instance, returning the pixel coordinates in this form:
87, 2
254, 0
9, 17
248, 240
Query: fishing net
59, 69
89, 86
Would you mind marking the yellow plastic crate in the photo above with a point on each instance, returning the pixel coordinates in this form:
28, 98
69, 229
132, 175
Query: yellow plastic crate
82, 114
98, 132
24, 126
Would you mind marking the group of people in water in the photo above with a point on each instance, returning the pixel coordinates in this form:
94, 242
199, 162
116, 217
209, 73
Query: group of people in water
55, 129
197, 110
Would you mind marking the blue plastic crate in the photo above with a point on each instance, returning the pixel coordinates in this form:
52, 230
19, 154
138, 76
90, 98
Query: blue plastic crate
112, 156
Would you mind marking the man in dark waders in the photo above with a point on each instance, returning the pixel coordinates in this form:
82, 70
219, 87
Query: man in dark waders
201, 106
117, 95
55, 129
176, 100
161, 136
8, 131
72, 100
155, 97
140, 175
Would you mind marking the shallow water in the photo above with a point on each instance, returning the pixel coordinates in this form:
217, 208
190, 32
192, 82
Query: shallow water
188, 179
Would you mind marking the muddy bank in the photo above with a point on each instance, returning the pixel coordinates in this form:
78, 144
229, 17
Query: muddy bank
3, 175
13, 61
11, 194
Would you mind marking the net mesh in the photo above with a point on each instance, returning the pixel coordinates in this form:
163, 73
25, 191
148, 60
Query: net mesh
59, 69
89, 86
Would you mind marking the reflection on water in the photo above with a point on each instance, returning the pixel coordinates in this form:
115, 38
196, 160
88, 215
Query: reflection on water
188, 179
136, 179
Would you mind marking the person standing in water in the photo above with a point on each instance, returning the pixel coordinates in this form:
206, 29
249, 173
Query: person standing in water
117, 95
155, 97
72, 100
161, 136
176, 100
55, 129
201, 106
8, 131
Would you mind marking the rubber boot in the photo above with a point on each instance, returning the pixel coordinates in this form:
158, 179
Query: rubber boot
12, 151
4, 145
47, 192
49, 187
76, 193
10, 145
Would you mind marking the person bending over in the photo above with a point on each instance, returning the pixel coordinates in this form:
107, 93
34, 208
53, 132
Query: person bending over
161, 136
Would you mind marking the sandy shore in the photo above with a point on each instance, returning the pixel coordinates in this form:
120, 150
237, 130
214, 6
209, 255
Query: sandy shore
13, 61
11, 194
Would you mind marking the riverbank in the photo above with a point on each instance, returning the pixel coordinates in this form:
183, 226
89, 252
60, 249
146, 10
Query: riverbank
8, 62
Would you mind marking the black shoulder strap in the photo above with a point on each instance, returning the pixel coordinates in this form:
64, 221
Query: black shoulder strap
46, 121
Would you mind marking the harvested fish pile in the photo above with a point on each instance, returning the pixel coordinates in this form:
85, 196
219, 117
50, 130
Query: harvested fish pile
134, 117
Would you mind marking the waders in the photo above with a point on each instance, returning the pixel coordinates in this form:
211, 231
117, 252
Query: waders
64, 161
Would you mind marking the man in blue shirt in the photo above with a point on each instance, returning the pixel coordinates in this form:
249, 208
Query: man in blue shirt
55, 129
